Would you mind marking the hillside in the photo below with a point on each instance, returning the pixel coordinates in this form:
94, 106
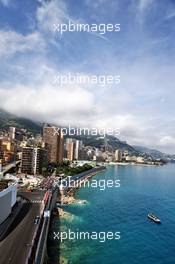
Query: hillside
8, 119
153, 152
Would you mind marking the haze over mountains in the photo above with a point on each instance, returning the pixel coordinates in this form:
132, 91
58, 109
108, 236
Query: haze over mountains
8, 119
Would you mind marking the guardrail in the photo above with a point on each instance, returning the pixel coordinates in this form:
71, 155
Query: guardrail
42, 243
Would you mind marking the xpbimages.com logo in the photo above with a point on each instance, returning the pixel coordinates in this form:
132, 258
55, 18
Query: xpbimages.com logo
101, 28
102, 184
85, 131
102, 237
81, 79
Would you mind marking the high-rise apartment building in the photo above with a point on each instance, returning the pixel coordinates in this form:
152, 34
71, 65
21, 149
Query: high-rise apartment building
38, 160
118, 155
26, 163
53, 140
73, 147
0, 165
6, 151
33, 160
12, 131
78, 147
70, 151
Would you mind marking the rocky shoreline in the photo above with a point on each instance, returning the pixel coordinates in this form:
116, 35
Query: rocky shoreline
69, 197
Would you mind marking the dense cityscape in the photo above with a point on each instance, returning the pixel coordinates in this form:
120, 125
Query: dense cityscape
38, 151
31, 166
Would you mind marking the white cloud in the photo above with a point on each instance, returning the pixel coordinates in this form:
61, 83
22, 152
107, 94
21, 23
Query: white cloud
13, 42
170, 16
167, 141
132, 107
143, 95
98, 3
47, 102
55, 12
49, 13
144, 4
5, 2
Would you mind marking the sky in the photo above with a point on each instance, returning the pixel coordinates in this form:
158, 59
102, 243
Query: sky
142, 106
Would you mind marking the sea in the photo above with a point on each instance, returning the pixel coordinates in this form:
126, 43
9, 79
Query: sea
124, 209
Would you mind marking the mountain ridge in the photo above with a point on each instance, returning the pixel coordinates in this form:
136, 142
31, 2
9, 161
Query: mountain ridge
8, 119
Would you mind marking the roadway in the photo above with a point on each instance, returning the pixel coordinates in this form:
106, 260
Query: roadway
42, 244
16, 247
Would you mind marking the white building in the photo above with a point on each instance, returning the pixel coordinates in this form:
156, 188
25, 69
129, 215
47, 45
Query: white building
12, 131
118, 155
140, 160
8, 194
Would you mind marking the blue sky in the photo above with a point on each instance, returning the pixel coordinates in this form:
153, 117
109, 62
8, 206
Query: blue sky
143, 53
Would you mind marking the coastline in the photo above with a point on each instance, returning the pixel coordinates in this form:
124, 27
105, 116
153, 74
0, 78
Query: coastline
65, 249
133, 164
69, 197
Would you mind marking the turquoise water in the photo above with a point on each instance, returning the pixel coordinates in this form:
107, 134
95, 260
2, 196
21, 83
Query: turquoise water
143, 190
